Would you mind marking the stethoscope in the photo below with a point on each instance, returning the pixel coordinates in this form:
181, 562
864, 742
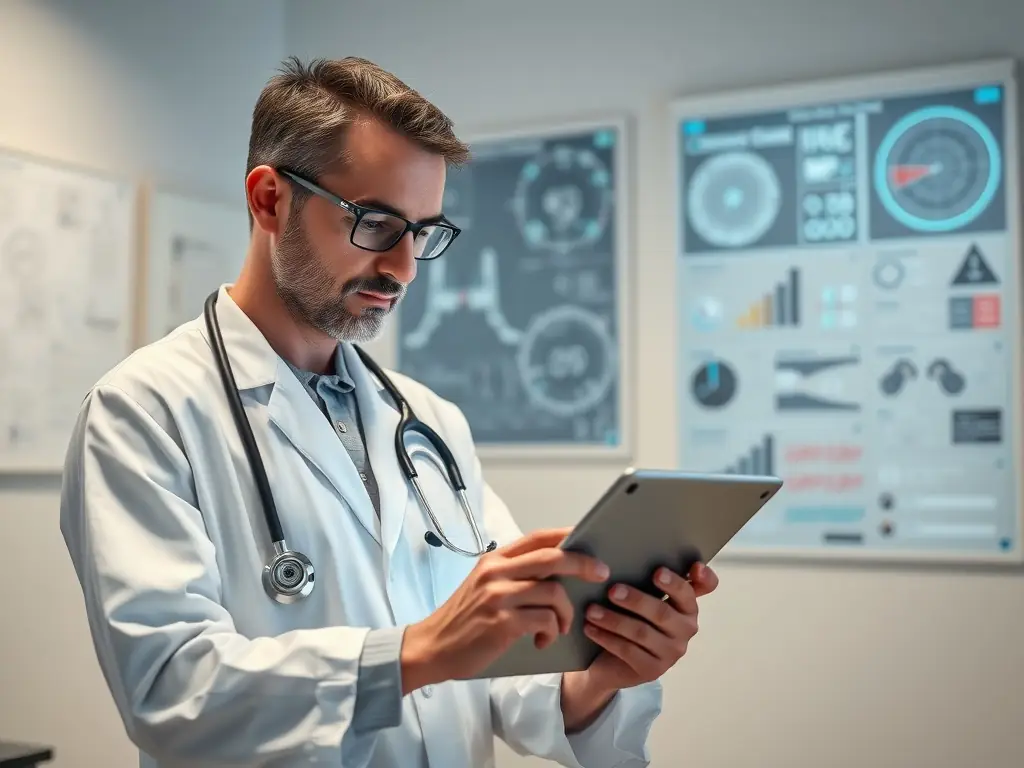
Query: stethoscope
289, 575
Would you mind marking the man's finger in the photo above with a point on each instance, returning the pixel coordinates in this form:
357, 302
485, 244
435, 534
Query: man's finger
681, 593
542, 539
542, 622
541, 594
703, 579
652, 639
664, 616
637, 658
546, 563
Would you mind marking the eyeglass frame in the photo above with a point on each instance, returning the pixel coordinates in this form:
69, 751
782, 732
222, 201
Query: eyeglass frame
361, 210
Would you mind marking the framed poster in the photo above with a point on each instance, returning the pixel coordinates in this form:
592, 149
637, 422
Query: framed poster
67, 256
193, 246
523, 321
849, 299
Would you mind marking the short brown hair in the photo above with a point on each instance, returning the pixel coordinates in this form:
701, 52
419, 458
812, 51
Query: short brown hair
301, 115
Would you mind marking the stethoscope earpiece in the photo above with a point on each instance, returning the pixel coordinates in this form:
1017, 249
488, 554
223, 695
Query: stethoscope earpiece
434, 541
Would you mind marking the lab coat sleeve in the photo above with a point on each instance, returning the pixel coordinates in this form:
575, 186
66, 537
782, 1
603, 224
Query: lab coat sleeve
190, 689
526, 711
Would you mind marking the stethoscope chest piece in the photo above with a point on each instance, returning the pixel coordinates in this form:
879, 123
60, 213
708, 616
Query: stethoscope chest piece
288, 577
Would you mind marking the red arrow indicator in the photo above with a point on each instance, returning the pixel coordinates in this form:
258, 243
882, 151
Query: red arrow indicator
903, 175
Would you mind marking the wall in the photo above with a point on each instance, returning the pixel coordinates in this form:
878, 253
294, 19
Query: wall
797, 667
161, 90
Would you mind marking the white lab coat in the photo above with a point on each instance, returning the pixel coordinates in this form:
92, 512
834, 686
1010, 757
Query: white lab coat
164, 526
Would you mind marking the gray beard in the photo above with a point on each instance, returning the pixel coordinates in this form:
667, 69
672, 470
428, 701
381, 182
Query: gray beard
307, 290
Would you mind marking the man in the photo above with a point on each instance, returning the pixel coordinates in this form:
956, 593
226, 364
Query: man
162, 519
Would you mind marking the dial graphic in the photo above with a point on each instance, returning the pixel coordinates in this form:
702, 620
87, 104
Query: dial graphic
937, 169
714, 384
734, 199
563, 199
567, 360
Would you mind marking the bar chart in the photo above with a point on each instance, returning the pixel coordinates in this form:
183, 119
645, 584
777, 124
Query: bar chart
759, 460
778, 307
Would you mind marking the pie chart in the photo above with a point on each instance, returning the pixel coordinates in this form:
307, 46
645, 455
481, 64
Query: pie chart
713, 384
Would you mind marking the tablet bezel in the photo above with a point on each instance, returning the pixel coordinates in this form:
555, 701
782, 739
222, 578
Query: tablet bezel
653, 512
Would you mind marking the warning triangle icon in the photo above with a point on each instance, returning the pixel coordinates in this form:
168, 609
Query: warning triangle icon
974, 270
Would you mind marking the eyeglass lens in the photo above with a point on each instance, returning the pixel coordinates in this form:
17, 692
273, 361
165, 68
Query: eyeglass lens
379, 231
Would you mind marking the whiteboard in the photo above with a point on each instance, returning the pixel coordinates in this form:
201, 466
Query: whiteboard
850, 312
67, 243
193, 246
522, 322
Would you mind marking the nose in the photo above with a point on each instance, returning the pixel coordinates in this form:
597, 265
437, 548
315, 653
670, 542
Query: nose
400, 261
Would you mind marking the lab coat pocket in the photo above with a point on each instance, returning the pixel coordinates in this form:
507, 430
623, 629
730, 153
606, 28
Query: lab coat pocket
447, 571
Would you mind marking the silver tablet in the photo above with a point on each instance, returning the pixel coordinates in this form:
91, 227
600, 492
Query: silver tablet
647, 519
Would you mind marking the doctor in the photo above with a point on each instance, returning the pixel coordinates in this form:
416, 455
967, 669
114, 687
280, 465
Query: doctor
166, 527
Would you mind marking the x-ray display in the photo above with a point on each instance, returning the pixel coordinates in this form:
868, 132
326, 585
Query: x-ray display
517, 322
849, 318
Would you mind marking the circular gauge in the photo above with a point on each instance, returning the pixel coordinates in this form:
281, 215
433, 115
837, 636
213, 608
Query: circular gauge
937, 169
888, 274
563, 198
567, 360
734, 199
714, 384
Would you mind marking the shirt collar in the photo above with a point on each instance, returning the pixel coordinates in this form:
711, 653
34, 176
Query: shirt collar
338, 379
254, 362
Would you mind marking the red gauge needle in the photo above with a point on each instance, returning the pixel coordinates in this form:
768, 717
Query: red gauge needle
904, 175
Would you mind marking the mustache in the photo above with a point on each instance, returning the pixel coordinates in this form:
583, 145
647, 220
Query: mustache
381, 284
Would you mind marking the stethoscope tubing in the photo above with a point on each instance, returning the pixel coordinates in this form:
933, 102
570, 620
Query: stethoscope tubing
294, 565
252, 452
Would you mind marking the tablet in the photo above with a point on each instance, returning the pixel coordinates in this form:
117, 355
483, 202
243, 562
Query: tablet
647, 518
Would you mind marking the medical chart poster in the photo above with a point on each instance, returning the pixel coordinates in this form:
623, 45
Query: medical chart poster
849, 311
521, 322
67, 271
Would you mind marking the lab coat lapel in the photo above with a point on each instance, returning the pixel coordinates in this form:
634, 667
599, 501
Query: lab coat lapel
380, 421
297, 416
255, 365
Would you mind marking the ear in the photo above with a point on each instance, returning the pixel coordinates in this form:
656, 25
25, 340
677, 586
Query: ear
268, 196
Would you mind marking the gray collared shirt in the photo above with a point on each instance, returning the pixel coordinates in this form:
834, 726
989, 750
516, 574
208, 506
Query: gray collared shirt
380, 667
334, 394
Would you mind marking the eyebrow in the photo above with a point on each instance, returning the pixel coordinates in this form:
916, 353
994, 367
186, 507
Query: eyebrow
382, 206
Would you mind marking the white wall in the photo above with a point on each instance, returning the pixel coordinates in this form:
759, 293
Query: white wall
161, 89
797, 667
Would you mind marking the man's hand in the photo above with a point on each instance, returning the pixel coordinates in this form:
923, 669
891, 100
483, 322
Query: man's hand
508, 594
640, 642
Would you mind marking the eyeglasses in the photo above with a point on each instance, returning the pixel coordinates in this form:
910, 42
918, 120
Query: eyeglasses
375, 230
